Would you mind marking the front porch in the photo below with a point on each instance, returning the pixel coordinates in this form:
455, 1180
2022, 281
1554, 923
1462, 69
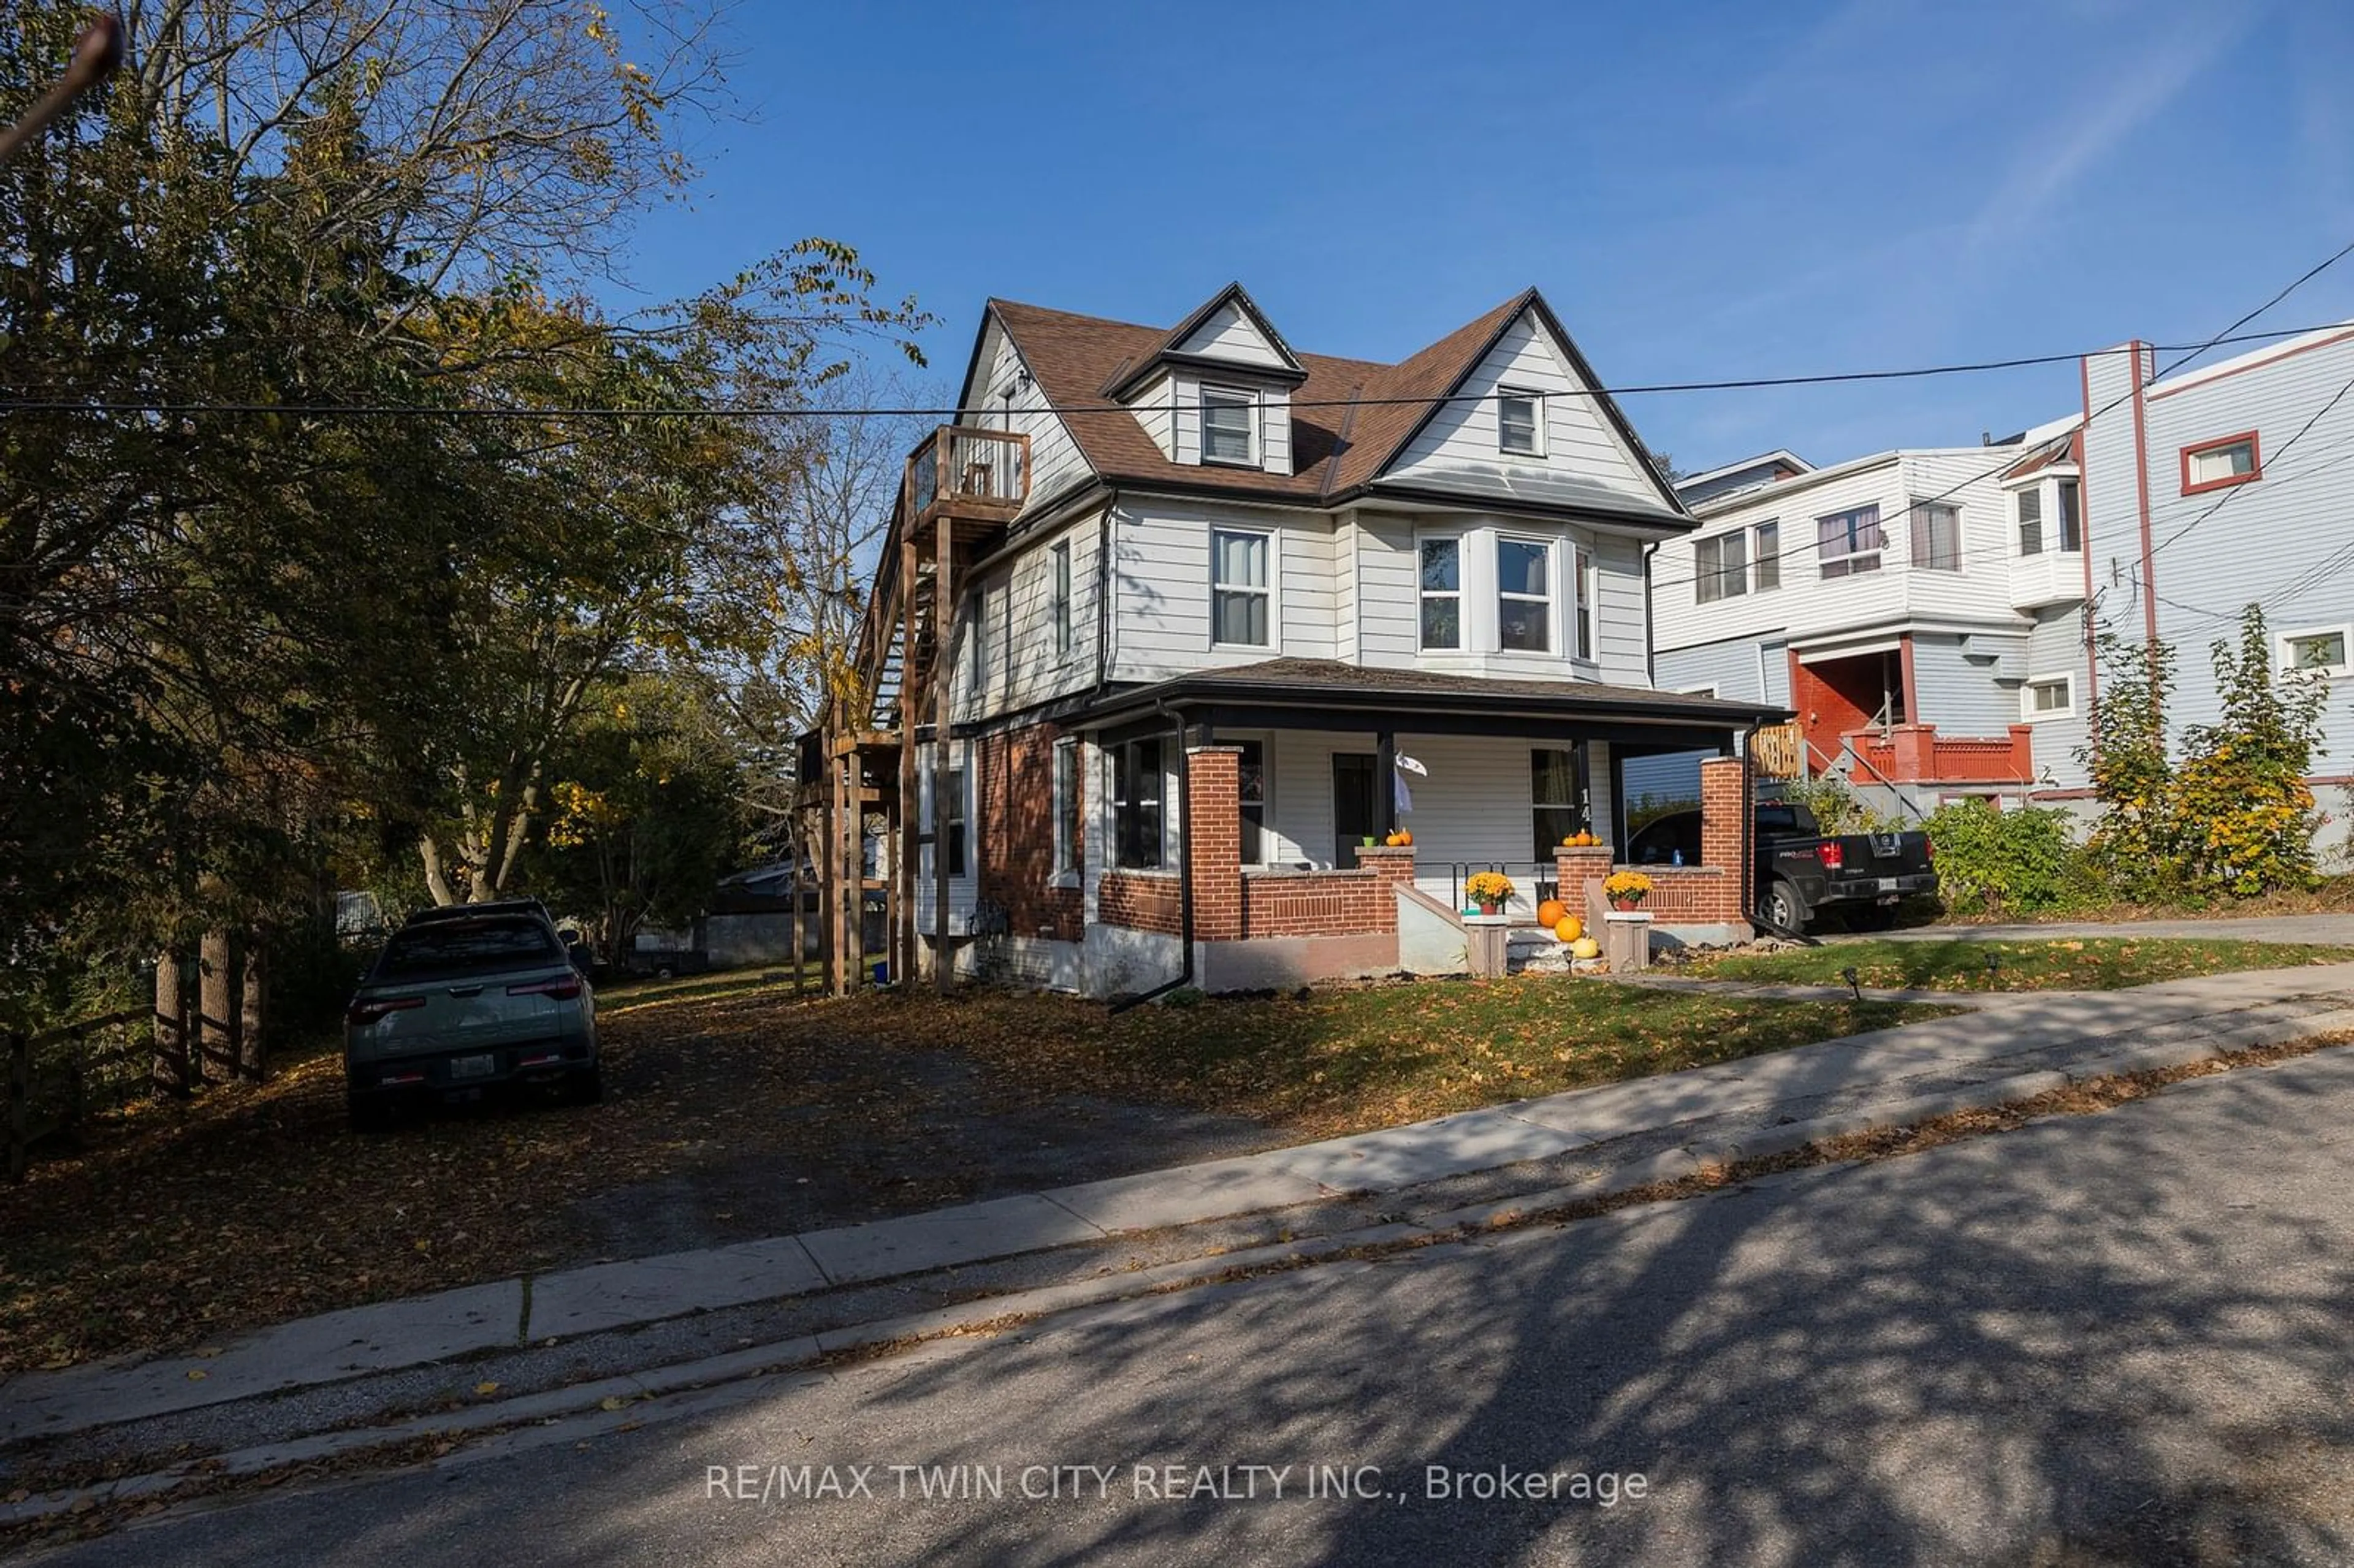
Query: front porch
1276, 869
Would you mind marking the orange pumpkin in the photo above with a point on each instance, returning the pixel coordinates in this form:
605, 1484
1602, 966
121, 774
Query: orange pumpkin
1569, 928
1550, 912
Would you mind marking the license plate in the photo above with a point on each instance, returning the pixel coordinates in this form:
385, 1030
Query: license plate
472, 1066
1887, 885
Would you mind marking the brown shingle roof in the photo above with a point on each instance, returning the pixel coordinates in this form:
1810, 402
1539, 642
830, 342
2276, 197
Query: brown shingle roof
1335, 447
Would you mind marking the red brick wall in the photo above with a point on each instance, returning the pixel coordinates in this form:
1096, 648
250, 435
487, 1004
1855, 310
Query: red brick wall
1329, 903
1015, 843
1140, 900
1214, 832
1715, 891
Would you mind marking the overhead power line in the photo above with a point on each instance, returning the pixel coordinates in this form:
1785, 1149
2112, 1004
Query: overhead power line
49, 399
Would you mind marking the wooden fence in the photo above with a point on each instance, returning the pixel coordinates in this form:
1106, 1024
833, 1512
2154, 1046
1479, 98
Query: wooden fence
48, 1097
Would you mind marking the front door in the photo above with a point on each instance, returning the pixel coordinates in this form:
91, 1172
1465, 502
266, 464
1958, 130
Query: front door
1352, 804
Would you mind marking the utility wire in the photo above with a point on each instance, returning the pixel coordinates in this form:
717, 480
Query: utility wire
47, 398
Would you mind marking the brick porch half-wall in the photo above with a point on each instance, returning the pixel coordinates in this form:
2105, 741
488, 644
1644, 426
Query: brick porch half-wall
1712, 894
1016, 841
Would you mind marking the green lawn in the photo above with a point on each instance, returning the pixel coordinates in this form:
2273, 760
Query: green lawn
2103, 963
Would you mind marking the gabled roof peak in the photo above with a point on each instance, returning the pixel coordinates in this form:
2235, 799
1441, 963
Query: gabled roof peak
1171, 346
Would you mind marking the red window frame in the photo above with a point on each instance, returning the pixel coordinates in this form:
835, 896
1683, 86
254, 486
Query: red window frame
2255, 462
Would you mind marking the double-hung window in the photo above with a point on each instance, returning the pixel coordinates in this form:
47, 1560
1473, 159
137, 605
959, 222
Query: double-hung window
1846, 543
978, 675
1520, 423
1250, 799
2072, 516
1442, 593
1938, 537
1523, 596
1067, 808
1059, 559
2029, 510
1556, 797
1582, 560
952, 785
1136, 804
1239, 589
1229, 426
1766, 554
1723, 566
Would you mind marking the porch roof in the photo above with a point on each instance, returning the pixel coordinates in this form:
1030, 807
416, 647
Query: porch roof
1325, 694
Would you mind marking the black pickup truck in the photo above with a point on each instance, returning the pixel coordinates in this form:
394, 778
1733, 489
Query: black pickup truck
1801, 873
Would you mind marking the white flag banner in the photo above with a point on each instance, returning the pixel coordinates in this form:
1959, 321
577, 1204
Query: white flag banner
1409, 764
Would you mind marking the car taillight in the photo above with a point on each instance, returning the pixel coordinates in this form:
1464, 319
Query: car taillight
1832, 856
562, 988
362, 1013
1929, 849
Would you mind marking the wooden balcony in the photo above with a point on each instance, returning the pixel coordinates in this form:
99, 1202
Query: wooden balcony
969, 474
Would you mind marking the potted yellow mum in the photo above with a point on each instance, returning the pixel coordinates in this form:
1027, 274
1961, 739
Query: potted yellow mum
1626, 889
1489, 889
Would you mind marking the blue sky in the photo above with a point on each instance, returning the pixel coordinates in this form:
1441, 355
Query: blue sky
1703, 191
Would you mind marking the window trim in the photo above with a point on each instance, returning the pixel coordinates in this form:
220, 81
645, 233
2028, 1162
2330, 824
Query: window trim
954, 832
2029, 714
1878, 554
1249, 399
1728, 584
2061, 486
1551, 598
1758, 556
1583, 613
1058, 597
1265, 536
1536, 401
1916, 514
1122, 757
2286, 666
2199, 449
1457, 593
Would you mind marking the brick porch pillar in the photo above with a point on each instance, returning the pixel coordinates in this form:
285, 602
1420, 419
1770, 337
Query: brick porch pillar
1213, 840
1578, 873
2022, 752
1725, 824
1391, 864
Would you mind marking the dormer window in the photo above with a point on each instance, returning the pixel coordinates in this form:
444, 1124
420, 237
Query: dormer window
1520, 423
1229, 426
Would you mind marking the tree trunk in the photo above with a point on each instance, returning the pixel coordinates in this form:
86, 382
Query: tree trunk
171, 1070
216, 1013
437, 879
253, 1058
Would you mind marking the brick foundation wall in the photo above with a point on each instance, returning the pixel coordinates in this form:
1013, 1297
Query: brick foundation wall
1140, 900
1213, 833
1015, 786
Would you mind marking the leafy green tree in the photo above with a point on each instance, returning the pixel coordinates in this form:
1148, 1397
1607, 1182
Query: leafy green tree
2247, 813
643, 815
2137, 844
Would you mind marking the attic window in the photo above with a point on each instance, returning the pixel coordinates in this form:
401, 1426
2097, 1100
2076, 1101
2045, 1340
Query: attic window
1520, 423
1229, 427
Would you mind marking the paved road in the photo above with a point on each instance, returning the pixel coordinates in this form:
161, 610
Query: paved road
2099, 1341
2321, 929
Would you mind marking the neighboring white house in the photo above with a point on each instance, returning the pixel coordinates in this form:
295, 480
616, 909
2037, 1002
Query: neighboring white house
2217, 487
1884, 599
1404, 594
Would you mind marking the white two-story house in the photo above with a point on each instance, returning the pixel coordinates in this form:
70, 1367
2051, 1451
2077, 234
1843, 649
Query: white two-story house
1893, 601
1257, 611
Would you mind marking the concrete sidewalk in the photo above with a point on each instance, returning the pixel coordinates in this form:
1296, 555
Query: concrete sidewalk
2200, 1016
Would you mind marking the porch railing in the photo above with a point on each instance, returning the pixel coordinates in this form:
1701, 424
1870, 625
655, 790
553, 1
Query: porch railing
1534, 882
983, 474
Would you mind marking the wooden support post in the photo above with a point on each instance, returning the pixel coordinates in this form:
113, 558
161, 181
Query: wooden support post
905, 856
829, 830
854, 859
172, 1068
216, 1013
793, 885
252, 1054
20, 1099
943, 723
